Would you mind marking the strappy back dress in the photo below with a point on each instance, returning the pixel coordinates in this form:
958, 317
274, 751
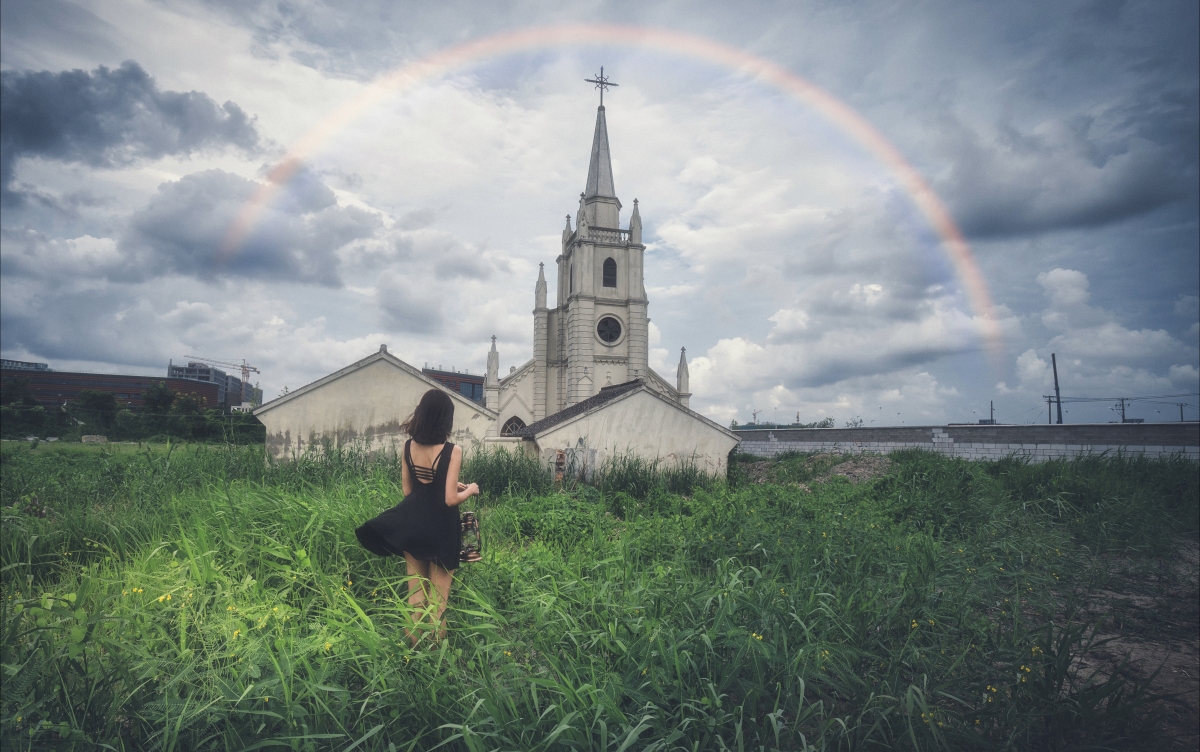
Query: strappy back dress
421, 525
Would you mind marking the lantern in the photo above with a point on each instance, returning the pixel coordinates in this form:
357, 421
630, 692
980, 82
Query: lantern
472, 545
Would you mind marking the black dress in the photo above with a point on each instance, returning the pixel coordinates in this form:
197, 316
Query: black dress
421, 525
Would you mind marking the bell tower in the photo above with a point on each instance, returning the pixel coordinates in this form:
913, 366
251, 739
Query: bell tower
596, 334
601, 296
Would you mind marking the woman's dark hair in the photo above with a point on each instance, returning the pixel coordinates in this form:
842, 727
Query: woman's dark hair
433, 419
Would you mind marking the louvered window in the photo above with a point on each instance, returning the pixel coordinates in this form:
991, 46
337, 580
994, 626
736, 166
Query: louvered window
610, 273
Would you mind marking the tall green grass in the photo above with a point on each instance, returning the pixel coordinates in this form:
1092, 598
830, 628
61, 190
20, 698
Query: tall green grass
203, 598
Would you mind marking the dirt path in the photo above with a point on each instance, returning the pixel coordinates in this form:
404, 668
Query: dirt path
1152, 615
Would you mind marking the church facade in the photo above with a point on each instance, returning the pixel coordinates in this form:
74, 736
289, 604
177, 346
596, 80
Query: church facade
597, 333
588, 394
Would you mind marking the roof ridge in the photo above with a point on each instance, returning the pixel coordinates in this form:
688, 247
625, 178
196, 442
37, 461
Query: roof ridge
606, 394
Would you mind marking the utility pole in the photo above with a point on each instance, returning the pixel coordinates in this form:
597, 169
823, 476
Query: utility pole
1049, 407
1057, 394
1181, 404
992, 410
1122, 403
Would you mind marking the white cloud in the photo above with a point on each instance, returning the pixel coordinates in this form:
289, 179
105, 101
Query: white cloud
1065, 287
1033, 372
868, 295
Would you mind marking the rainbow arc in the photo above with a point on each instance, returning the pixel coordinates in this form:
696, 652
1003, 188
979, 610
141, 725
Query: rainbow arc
953, 244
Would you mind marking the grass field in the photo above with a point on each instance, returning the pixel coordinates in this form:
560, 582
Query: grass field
195, 597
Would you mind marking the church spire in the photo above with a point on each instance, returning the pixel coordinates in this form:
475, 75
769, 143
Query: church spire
635, 224
493, 364
600, 176
539, 290
681, 378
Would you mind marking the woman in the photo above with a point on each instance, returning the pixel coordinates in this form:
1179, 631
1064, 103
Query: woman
425, 527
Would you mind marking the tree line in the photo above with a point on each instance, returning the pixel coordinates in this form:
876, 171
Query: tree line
165, 414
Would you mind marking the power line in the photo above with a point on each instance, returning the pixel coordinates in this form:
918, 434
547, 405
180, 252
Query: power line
1148, 398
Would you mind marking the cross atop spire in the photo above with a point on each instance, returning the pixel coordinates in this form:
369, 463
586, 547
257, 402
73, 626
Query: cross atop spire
601, 83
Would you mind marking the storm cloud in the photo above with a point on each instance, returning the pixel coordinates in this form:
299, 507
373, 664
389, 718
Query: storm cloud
1061, 174
109, 118
182, 230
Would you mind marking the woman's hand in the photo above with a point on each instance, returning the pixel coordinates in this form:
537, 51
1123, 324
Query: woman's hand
462, 492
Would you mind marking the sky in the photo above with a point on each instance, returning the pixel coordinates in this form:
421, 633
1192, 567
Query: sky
801, 275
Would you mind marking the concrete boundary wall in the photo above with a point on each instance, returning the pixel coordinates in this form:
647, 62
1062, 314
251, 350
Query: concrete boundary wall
974, 442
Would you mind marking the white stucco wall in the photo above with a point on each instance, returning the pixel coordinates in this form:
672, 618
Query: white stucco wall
646, 425
517, 395
362, 407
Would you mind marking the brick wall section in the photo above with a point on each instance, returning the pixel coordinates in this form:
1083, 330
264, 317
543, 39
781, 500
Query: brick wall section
1036, 442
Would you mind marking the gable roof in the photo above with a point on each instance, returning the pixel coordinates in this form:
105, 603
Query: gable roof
517, 372
666, 387
385, 356
605, 396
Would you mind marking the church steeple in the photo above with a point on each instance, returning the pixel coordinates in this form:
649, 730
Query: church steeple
635, 224
491, 383
539, 290
493, 364
681, 378
600, 177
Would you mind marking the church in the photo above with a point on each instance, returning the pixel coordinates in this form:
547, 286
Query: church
587, 395
597, 333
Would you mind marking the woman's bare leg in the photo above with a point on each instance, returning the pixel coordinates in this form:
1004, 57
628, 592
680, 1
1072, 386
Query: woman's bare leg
441, 579
418, 593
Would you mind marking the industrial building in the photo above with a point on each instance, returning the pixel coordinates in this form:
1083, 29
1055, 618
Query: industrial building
22, 365
231, 391
58, 388
467, 384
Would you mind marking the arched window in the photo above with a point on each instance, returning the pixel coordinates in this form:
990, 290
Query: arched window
610, 272
511, 426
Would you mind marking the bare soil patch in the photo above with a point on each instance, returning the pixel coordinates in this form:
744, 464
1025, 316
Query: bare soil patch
1152, 615
818, 468
861, 468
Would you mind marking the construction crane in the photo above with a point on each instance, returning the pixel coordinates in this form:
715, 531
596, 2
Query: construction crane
246, 367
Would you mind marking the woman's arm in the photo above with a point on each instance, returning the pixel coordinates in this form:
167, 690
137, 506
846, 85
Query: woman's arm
454, 496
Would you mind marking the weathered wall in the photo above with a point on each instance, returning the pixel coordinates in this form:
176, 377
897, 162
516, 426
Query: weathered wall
1037, 442
363, 407
517, 395
644, 425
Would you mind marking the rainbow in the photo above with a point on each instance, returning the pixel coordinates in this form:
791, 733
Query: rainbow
927, 202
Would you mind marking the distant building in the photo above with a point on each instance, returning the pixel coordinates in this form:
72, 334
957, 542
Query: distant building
22, 365
201, 372
232, 392
466, 384
57, 388
229, 388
